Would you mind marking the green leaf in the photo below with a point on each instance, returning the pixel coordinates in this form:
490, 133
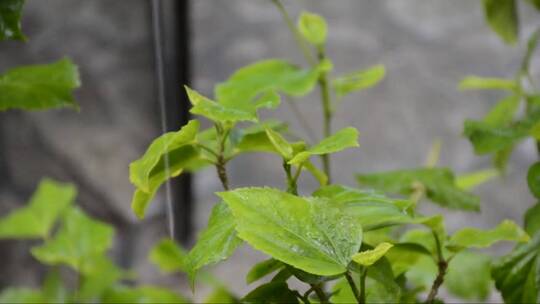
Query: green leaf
280, 144
150, 171
369, 257
471, 180
263, 269
473, 237
267, 75
13, 295
53, 288
533, 179
404, 256
102, 273
39, 87
215, 243
221, 296
372, 210
168, 256
531, 46
218, 112
503, 112
38, 218
77, 244
502, 17
535, 3
142, 294
487, 139
341, 140
10, 20
313, 28
487, 83
515, 274
307, 233
532, 219
271, 293
359, 80
440, 184
469, 276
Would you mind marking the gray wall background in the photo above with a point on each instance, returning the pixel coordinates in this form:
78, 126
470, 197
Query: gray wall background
426, 46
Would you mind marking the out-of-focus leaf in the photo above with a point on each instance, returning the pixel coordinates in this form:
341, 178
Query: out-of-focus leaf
487, 139
502, 17
469, 276
487, 83
503, 112
313, 28
10, 20
280, 144
142, 294
359, 80
218, 112
369, 257
168, 256
215, 243
532, 219
262, 269
38, 218
150, 171
307, 233
471, 180
14, 295
38, 87
531, 45
77, 244
271, 293
533, 179
473, 237
221, 296
440, 184
341, 140
517, 274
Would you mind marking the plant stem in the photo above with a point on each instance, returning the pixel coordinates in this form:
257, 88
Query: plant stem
320, 293
221, 162
299, 40
442, 265
327, 111
292, 186
363, 277
353, 286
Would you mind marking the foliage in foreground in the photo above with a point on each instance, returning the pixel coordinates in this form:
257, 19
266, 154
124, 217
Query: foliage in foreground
346, 244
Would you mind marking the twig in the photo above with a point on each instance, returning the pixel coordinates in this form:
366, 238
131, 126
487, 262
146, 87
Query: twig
353, 286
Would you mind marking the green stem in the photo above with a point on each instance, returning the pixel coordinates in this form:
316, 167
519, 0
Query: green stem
292, 186
353, 286
299, 40
221, 162
320, 293
327, 111
363, 277
442, 265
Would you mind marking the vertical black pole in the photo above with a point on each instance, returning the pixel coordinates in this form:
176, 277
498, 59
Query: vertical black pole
174, 23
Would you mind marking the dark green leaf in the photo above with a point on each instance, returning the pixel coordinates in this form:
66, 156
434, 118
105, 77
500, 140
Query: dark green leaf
168, 256
273, 292
263, 269
533, 179
532, 219
142, 294
38, 218
10, 19
215, 243
77, 244
313, 28
440, 186
359, 80
515, 274
536, 3
487, 139
502, 17
307, 233
39, 87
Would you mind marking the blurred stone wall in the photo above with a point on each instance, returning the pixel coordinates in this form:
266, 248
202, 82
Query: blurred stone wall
427, 47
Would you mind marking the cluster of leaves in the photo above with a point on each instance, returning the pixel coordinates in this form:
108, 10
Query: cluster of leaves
513, 119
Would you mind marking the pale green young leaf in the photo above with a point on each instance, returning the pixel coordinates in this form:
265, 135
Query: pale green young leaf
341, 140
306, 233
38, 218
264, 76
502, 17
440, 184
215, 243
142, 294
369, 257
280, 144
372, 210
219, 112
532, 219
469, 276
503, 112
471, 180
39, 87
434, 154
168, 256
22, 295
10, 20
77, 244
263, 269
313, 28
478, 238
487, 83
359, 80
318, 174
515, 274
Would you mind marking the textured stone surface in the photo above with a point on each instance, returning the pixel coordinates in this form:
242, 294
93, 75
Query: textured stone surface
427, 47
